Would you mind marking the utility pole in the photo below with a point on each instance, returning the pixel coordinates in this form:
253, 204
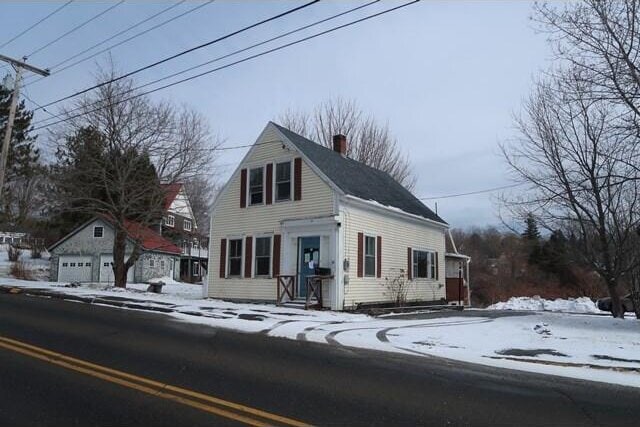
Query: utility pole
18, 66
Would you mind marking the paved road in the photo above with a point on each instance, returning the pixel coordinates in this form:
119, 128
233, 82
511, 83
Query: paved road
313, 383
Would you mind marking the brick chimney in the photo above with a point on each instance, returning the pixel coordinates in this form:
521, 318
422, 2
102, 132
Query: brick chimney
340, 144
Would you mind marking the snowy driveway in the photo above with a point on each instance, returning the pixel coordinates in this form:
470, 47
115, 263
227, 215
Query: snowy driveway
591, 347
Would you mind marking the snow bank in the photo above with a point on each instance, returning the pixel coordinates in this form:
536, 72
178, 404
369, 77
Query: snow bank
571, 305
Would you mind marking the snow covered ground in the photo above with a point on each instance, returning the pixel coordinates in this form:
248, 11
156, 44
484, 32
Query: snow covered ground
586, 346
39, 267
571, 305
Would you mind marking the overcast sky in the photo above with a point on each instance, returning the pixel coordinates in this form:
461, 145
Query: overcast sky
446, 76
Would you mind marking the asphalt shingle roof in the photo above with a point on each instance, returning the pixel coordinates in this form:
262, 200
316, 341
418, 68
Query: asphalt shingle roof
358, 179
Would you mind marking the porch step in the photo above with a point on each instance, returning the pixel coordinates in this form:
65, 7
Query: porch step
297, 303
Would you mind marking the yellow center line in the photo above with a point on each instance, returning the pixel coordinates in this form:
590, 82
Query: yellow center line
166, 391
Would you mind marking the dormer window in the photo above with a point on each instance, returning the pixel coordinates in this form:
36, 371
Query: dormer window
187, 225
283, 181
170, 221
256, 186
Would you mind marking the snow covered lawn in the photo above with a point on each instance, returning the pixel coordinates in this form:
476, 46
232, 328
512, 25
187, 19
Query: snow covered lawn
39, 267
586, 346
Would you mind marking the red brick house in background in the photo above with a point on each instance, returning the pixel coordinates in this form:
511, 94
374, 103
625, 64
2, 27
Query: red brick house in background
180, 226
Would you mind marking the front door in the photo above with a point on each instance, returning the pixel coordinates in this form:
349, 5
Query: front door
308, 260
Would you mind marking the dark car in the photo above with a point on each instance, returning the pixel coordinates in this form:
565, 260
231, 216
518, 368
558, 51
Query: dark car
604, 304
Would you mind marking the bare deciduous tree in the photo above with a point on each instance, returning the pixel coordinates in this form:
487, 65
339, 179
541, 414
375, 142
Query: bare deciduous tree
577, 163
601, 40
113, 153
370, 142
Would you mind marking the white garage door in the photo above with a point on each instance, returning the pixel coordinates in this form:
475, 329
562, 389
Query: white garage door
74, 269
106, 269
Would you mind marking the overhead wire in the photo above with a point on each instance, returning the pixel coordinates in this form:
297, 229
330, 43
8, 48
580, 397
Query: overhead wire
249, 58
288, 33
120, 43
184, 52
74, 29
40, 21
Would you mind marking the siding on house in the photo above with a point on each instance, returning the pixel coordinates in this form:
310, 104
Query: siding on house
84, 244
397, 235
229, 220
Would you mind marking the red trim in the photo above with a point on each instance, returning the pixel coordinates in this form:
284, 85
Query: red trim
409, 264
269, 192
223, 258
379, 257
243, 188
276, 255
297, 179
248, 256
360, 253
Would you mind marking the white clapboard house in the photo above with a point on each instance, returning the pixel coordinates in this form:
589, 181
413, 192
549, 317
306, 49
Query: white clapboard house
295, 212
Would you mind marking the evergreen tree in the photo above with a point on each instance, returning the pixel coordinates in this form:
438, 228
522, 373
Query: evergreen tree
23, 163
531, 231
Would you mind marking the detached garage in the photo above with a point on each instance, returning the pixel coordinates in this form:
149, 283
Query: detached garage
74, 268
86, 254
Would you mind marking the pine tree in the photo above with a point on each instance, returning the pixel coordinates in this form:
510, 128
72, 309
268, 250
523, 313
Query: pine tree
23, 163
531, 231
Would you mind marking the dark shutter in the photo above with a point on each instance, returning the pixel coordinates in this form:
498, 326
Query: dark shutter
409, 264
248, 256
243, 188
223, 258
360, 253
269, 183
437, 267
276, 255
297, 179
379, 257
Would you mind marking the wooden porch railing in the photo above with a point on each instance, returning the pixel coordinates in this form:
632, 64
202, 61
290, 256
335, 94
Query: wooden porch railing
314, 289
286, 285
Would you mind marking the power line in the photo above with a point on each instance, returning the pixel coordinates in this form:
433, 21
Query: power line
471, 193
128, 39
184, 52
54, 115
74, 29
304, 27
249, 58
36, 24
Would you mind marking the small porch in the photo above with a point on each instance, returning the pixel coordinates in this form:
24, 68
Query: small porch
309, 268
457, 279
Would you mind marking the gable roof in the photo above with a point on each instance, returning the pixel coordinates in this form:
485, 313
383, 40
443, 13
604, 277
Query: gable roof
150, 240
359, 180
171, 192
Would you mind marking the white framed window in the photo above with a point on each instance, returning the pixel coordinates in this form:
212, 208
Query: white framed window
162, 264
262, 261
187, 225
195, 244
235, 258
283, 181
98, 231
256, 186
424, 264
196, 268
152, 262
170, 221
369, 256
